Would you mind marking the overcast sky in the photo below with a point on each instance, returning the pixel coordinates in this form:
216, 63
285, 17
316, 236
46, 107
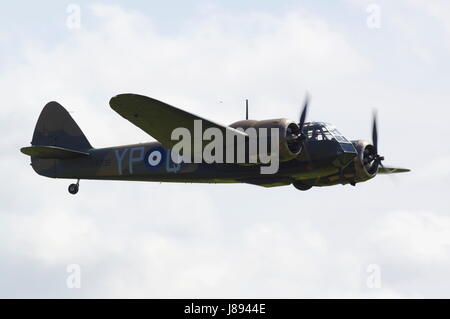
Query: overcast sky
188, 241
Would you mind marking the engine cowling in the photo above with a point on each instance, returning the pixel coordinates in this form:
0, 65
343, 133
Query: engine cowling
365, 166
289, 147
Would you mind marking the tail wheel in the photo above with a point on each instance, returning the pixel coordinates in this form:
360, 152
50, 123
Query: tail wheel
74, 188
302, 186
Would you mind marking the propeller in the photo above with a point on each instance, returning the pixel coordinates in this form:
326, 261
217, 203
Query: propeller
297, 135
303, 115
303, 137
373, 156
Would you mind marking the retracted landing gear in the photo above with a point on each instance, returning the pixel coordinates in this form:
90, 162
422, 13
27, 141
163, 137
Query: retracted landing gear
73, 188
302, 186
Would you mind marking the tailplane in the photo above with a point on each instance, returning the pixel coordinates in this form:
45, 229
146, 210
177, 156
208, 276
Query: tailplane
52, 152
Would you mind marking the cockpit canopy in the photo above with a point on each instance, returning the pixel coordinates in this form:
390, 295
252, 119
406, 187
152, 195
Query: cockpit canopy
318, 131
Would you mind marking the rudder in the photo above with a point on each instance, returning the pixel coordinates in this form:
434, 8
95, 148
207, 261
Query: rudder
55, 127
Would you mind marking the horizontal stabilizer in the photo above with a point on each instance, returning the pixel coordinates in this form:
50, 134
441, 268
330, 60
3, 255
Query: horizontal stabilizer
52, 152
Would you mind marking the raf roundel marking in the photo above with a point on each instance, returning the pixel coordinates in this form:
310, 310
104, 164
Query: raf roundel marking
155, 158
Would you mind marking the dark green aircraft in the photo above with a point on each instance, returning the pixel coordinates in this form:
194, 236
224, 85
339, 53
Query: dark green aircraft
310, 153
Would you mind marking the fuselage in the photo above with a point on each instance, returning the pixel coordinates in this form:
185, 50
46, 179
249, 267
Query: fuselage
152, 162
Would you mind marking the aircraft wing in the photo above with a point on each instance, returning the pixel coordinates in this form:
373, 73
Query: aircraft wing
159, 119
390, 170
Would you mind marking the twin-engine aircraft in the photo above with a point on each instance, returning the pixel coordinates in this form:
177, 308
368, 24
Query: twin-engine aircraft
310, 153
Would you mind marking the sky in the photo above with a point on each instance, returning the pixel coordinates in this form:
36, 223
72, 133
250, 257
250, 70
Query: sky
387, 238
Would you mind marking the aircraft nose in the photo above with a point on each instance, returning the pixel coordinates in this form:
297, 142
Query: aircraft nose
347, 153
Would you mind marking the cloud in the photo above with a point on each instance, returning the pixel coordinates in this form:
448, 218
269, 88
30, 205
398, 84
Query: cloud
415, 237
204, 63
438, 9
437, 169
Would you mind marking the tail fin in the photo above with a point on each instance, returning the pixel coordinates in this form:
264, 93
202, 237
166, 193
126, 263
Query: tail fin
56, 137
57, 128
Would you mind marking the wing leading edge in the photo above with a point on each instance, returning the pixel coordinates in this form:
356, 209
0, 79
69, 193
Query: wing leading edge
391, 170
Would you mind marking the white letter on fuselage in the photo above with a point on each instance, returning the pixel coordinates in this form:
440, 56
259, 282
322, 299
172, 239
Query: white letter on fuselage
120, 158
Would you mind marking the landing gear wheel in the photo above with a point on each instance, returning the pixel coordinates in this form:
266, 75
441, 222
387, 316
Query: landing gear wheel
301, 186
73, 188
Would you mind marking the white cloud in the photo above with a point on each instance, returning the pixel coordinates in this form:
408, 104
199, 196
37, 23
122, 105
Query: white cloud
436, 169
201, 65
438, 9
415, 237
52, 236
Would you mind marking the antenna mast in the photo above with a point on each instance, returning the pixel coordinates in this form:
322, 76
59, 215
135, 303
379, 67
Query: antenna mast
246, 109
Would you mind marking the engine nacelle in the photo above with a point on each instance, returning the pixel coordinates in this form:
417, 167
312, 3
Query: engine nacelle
288, 148
363, 163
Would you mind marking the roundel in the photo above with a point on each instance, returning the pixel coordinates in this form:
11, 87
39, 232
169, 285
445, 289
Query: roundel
154, 158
